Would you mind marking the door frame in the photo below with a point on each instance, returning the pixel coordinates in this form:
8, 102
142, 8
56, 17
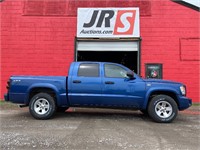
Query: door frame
111, 40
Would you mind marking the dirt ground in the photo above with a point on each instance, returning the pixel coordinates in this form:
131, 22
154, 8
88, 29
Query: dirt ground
98, 129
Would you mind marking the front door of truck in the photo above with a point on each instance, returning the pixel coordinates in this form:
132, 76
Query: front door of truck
118, 89
85, 85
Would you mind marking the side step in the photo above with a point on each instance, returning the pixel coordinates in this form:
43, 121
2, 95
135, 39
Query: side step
22, 105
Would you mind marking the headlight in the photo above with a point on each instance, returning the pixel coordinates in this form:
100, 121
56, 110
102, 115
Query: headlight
183, 90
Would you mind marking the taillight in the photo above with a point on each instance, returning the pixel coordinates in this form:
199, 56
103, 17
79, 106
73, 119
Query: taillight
8, 85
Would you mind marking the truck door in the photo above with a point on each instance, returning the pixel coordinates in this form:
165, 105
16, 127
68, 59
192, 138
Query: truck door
118, 89
85, 85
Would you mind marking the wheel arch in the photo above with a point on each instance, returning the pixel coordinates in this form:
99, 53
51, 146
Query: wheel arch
153, 93
42, 89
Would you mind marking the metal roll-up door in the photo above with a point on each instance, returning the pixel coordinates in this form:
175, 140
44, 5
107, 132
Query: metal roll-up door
107, 46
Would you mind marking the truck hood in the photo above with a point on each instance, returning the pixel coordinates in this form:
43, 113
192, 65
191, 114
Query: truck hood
160, 81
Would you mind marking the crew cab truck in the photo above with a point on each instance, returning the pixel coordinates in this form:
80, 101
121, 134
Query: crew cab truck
98, 84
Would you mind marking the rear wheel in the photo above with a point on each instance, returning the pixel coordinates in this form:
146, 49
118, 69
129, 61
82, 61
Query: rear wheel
42, 106
162, 108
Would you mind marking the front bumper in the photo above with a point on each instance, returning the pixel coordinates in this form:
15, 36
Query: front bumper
6, 97
184, 103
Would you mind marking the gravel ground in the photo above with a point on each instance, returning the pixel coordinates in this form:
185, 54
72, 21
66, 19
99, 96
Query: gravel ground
98, 129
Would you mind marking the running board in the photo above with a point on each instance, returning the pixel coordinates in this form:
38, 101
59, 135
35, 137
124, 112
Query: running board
21, 106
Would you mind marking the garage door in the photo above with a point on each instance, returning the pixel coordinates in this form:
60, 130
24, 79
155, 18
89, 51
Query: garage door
107, 46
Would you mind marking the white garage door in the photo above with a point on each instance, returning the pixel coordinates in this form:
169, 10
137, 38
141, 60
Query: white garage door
107, 46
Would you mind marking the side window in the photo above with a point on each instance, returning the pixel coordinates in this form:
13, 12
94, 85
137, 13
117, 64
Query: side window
88, 70
114, 71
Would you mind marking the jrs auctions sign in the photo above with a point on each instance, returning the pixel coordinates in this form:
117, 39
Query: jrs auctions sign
108, 22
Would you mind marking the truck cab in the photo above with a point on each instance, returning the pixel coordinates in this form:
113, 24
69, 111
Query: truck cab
104, 85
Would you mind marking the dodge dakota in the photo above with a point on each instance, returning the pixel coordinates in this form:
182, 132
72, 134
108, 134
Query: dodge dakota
98, 84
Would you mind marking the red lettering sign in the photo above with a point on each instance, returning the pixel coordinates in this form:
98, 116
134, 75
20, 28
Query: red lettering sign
125, 22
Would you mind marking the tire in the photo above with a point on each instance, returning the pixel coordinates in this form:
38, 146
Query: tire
162, 109
42, 106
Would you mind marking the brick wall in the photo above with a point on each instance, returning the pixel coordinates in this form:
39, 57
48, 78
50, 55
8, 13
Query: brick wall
162, 42
34, 45
44, 44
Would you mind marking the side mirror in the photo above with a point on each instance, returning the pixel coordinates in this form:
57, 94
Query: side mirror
130, 74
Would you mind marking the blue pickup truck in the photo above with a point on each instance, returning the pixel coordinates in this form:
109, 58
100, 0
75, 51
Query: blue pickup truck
98, 84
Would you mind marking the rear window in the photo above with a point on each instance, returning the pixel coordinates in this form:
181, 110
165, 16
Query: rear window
88, 70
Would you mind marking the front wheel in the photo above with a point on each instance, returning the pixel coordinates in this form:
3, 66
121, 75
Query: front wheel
163, 109
42, 106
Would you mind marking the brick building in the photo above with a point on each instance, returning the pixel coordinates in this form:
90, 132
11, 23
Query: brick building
39, 37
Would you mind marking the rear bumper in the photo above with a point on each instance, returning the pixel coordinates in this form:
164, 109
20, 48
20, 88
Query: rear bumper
184, 103
6, 97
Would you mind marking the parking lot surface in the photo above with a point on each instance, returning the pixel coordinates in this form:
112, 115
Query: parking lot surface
98, 129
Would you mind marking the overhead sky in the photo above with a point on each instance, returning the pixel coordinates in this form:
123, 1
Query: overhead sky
193, 2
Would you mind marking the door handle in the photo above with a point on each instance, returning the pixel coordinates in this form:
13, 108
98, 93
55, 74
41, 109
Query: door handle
109, 82
76, 81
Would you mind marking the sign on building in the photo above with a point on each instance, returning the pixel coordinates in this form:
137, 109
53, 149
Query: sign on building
108, 22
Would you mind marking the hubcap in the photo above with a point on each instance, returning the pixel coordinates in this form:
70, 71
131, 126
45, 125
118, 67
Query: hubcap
41, 106
163, 109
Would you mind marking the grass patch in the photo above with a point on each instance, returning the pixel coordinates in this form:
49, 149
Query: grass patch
2, 102
4, 105
196, 104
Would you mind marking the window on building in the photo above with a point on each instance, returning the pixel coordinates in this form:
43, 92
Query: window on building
45, 7
114, 71
144, 5
69, 7
88, 70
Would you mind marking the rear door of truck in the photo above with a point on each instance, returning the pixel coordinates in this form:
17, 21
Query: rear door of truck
85, 85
